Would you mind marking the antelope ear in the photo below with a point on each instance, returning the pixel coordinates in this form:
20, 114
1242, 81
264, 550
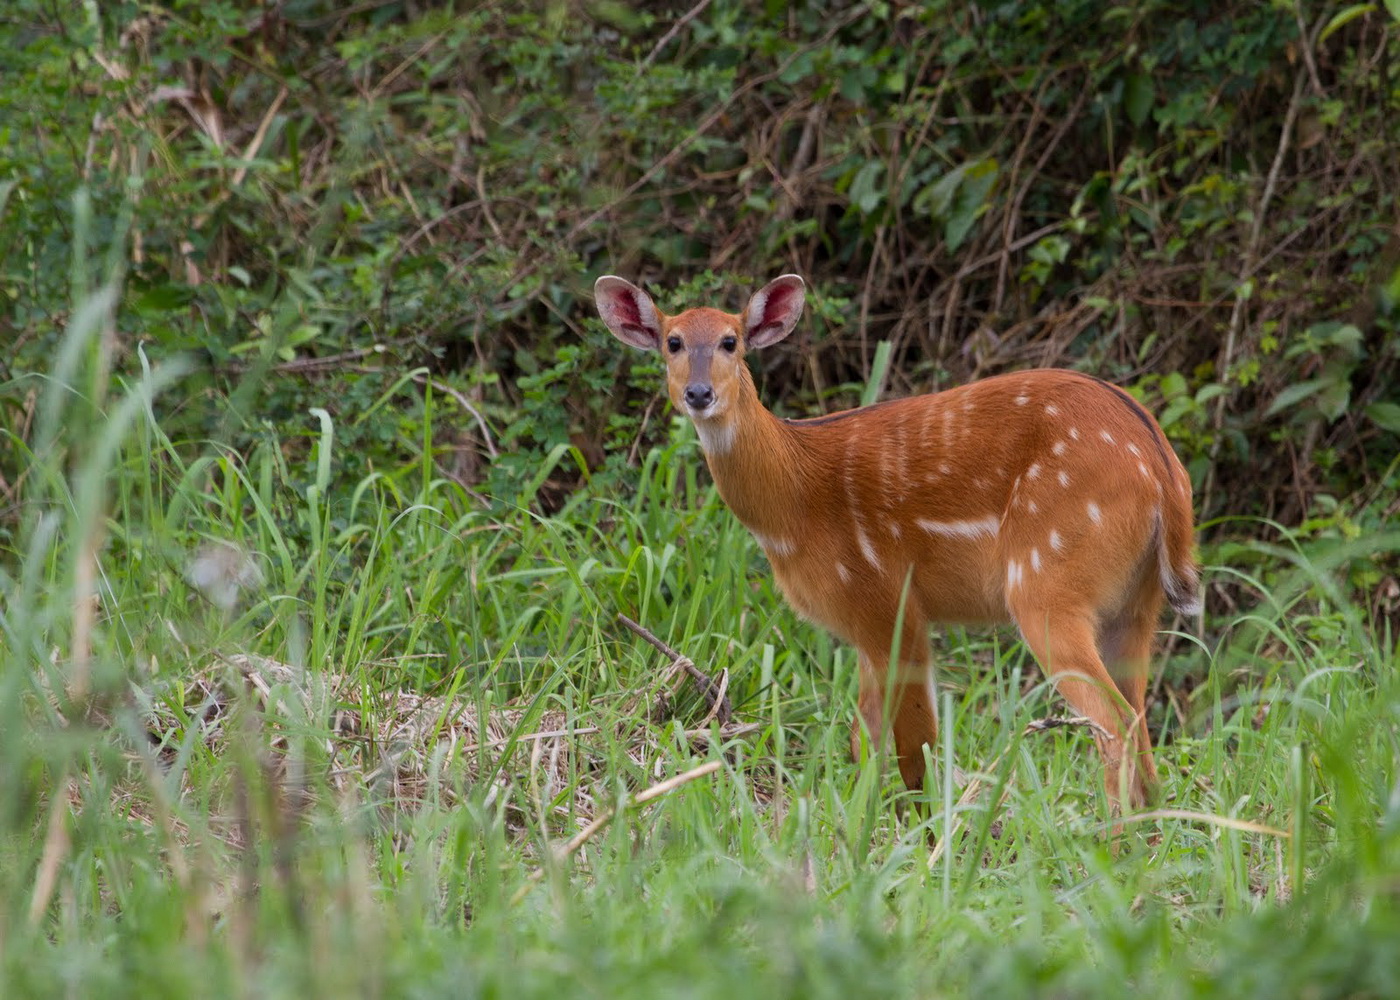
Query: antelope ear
629, 312
774, 310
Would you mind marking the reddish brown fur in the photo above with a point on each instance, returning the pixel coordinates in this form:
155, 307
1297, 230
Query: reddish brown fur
1043, 498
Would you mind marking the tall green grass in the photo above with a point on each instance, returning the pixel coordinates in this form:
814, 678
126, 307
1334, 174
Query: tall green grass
173, 823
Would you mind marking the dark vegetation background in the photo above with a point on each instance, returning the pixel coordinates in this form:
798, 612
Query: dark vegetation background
425, 480
1193, 199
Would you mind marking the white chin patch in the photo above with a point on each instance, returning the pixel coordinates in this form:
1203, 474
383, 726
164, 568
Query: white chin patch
715, 437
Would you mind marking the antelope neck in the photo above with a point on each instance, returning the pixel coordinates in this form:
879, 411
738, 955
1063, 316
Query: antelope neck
760, 474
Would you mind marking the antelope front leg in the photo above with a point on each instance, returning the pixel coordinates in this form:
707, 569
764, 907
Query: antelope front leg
870, 709
912, 713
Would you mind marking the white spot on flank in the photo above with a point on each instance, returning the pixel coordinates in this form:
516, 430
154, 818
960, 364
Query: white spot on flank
843, 572
1059, 448
1033, 507
1013, 574
1074, 433
1064, 478
1106, 436
894, 529
1033, 471
1134, 449
1052, 410
1022, 400
985, 527
1143, 469
1095, 514
715, 438
944, 468
1056, 542
1035, 560
866, 548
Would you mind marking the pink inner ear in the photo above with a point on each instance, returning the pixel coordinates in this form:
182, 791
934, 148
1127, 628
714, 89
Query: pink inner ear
624, 307
777, 304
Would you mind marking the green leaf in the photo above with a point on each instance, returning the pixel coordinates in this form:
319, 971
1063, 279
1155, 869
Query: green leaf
1334, 398
969, 201
1294, 394
936, 198
1139, 94
865, 192
1394, 7
1346, 336
1385, 415
1345, 16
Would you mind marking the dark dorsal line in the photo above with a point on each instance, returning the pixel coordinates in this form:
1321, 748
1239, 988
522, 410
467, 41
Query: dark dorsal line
1137, 410
832, 418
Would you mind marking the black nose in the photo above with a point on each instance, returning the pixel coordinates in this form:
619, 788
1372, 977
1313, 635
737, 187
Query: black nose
698, 397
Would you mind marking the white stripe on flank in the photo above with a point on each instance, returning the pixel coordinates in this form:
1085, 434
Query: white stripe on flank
775, 546
984, 527
1013, 574
866, 548
1035, 560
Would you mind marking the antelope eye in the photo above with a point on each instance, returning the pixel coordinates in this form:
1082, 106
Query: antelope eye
729, 344
673, 344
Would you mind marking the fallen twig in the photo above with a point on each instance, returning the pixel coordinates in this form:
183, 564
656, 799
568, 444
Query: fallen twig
715, 697
600, 822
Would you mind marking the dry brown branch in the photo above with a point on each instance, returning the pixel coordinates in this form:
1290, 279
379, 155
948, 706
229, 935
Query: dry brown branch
601, 822
1061, 721
714, 694
465, 404
671, 33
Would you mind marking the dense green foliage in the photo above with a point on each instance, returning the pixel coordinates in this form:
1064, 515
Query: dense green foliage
322, 487
1189, 197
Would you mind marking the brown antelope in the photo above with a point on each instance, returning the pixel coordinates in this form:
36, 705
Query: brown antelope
1046, 498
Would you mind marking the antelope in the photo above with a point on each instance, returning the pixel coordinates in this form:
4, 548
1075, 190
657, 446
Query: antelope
1047, 499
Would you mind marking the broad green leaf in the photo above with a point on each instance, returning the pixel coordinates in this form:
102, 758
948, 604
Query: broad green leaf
1385, 416
1139, 93
936, 198
1344, 17
865, 192
1394, 7
969, 201
1294, 394
1334, 398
